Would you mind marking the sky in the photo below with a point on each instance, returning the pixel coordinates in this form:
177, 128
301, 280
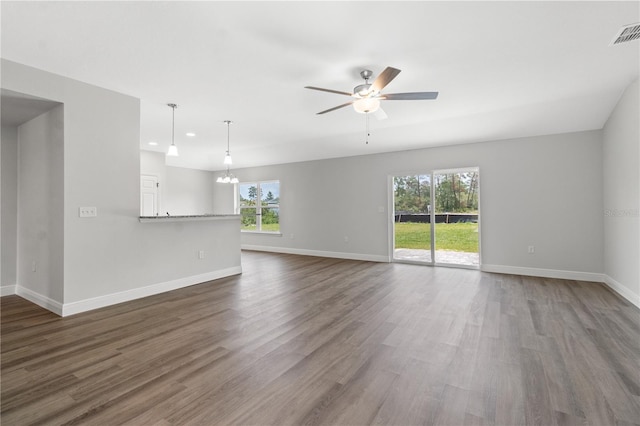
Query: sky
265, 187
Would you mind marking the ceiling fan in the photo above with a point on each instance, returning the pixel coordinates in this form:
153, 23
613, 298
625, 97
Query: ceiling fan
367, 96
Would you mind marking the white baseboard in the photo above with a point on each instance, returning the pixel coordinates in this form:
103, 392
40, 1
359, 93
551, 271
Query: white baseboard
7, 290
111, 299
40, 300
622, 290
545, 273
318, 253
137, 293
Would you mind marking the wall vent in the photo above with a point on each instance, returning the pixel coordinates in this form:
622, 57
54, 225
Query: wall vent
627, 33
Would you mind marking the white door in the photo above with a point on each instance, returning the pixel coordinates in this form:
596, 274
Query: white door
148, 195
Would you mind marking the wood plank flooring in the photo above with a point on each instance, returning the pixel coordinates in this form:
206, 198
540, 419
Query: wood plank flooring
304, 340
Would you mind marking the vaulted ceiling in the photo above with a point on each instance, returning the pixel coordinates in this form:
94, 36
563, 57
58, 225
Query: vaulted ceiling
503, 69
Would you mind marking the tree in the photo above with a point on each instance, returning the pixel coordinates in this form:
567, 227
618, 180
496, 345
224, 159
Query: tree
253, 193
455, 192
270, 216
412, 194
472, 194
450, 191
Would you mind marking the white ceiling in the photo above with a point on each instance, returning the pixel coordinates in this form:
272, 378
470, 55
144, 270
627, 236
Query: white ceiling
503, 69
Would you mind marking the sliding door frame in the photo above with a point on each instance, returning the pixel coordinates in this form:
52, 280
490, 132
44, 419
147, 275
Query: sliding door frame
432, 218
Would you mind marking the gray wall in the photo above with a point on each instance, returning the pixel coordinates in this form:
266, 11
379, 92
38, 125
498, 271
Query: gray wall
181, 191
224, 197
544, 191
9, 206
41, 204
188, 191
621, 158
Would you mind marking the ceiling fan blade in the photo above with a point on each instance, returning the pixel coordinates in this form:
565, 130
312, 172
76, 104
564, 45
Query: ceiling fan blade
412, 96
328, 90
335, 108
384, 78
380, 114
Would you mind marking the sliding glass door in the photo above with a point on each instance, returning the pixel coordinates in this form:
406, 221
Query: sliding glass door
436, 218
456, 217
412, 221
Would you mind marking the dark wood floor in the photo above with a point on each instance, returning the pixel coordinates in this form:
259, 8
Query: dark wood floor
305, 340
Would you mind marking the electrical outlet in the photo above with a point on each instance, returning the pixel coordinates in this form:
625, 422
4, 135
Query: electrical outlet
531, 249
380, 209
33, 266
291, 236
346, 239
201, 254
88, 211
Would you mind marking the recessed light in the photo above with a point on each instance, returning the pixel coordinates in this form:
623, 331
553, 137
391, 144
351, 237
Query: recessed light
152, 143
190, 134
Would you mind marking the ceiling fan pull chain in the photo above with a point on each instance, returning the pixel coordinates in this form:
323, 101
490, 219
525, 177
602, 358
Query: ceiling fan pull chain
367, 121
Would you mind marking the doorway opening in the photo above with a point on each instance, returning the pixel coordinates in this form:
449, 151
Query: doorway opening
436, 218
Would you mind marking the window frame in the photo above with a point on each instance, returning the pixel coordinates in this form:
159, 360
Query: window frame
259, 206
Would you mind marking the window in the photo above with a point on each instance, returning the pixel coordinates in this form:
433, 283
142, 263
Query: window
259, 205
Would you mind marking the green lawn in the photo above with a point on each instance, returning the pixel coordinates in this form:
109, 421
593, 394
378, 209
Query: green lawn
267, 227
449, 236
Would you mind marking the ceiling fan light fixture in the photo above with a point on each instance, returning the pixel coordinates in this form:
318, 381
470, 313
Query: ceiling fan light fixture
363, 90
366, 105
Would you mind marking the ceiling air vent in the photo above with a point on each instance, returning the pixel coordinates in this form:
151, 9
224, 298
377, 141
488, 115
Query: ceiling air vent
627, 33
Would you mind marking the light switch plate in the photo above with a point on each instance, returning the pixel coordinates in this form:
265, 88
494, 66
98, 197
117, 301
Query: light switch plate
88, 211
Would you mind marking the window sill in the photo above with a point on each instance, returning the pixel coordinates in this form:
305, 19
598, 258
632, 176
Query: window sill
188, 218
275, 234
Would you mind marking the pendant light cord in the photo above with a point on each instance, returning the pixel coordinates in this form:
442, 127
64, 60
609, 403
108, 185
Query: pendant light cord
228, 172
228, 149
173, 122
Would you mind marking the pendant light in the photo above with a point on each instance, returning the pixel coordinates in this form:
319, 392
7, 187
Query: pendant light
228, 177
173, 149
